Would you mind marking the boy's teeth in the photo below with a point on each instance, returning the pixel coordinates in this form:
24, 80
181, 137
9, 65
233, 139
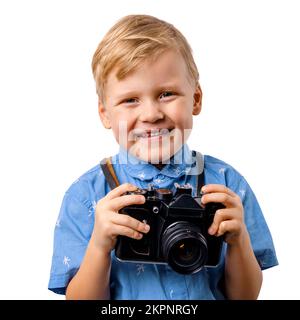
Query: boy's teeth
164, 131
154, 133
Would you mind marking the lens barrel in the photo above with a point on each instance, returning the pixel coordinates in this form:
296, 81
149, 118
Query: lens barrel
184, 247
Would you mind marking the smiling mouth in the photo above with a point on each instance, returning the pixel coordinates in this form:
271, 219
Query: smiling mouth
153, 133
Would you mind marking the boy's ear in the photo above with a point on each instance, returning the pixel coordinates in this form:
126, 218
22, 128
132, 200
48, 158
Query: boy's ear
103, 114
197, 100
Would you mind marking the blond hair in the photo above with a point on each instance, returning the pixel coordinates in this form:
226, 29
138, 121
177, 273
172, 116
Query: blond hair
134, 39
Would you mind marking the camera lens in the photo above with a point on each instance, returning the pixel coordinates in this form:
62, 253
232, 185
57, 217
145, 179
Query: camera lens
184, 247
185, 253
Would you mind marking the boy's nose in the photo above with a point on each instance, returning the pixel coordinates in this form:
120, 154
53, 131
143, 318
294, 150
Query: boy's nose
150, 112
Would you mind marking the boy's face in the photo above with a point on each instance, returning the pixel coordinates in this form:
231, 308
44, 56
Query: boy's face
150, 110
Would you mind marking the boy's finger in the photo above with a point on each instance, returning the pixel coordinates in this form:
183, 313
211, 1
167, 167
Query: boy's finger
120, 190
223, 198
127, 221
117, 204
119, 230
209, 188
220, 215
230, 226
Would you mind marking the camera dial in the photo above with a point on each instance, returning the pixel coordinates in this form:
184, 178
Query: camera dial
137, 191
164, 194
183, 189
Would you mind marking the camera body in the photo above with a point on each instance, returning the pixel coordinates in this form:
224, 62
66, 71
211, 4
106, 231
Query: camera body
178, 233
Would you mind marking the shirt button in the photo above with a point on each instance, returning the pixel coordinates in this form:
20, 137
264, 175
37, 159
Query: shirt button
159, 179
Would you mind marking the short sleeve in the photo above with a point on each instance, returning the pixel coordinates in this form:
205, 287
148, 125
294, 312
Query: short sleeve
261, 239
71, 235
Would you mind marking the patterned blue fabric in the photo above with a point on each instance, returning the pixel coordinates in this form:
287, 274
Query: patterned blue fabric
150, 281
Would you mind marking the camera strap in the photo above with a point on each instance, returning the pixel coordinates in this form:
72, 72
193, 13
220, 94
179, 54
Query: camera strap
200, 177
113, 182
109, 173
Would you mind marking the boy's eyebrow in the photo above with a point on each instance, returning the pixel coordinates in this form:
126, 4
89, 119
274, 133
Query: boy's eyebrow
125, 94
170, 86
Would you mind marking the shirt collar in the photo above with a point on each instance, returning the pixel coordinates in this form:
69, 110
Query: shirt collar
179, 164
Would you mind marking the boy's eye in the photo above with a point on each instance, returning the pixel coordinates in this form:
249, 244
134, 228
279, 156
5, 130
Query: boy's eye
166, 94
131, 100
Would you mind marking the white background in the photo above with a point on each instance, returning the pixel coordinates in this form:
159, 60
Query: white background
248, 57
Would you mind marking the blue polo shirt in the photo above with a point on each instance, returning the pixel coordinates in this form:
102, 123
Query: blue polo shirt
150, 281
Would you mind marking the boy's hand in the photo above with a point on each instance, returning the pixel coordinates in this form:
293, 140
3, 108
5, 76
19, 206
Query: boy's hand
230, 220
109, 223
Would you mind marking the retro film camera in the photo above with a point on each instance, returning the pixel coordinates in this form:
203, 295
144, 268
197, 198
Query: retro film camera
178, 230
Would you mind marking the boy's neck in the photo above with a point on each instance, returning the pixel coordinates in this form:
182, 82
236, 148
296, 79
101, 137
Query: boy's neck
159, 166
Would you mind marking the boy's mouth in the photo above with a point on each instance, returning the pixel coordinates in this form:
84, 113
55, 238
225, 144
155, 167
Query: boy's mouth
151, 133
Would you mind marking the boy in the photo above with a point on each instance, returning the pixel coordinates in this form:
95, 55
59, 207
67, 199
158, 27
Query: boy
147, 83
